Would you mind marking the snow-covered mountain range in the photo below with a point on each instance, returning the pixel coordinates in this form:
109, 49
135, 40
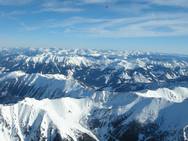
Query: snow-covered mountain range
92, 95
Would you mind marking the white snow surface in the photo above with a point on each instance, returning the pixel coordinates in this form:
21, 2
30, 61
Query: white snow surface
66, 114
178, 94
69, 115
76, 102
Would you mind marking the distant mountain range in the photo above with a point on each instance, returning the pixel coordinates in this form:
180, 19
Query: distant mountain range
92, 95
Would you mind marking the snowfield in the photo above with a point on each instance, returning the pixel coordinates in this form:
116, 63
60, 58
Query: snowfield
90, 95
65, 114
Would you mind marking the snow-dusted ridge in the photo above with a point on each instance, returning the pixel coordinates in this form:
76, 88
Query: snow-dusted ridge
65, 114
178, 95
89, 95
70, 117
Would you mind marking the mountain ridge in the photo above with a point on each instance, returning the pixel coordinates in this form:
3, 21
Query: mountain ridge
90, 95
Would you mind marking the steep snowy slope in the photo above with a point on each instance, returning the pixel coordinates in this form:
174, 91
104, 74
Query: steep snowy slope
46, 119
90, 95
15, 86
126, 116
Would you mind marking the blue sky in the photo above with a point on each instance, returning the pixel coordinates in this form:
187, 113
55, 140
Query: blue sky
146, 25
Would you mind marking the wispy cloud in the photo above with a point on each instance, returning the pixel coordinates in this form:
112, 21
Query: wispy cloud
146, 26
14, 2
97, 1
60, 7
12, 15
123, 23
179, 3
143, 26
29, 27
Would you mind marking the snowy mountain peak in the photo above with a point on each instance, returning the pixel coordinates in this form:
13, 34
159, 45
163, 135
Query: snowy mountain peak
91, 95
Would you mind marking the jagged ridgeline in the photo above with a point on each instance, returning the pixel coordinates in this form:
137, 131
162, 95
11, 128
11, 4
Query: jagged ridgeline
90, 95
